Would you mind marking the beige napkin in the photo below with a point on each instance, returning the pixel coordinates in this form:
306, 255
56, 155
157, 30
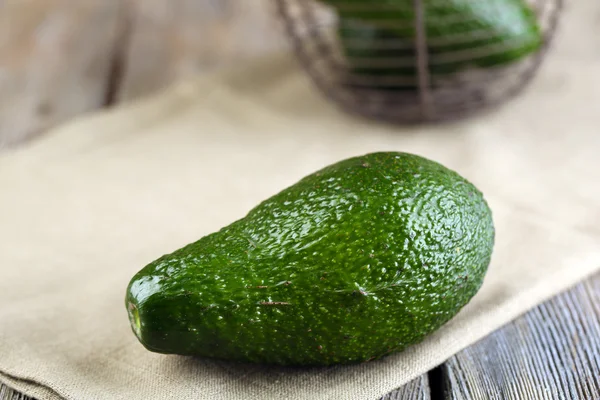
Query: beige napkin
84, 208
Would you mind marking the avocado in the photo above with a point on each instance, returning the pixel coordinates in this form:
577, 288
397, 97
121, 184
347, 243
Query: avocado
355, 261
378, 36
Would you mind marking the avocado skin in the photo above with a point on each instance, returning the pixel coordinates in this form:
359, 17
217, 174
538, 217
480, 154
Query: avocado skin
506, 29
358, 260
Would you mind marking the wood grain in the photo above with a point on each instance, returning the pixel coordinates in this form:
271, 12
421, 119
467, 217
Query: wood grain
553, 352
62, 58
55, 60
175, 39
7, 393
418, 389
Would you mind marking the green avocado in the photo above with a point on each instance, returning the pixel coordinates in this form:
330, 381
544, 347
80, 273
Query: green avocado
358, 260
378, 36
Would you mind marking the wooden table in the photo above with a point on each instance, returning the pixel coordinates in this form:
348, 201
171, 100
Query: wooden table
62, 58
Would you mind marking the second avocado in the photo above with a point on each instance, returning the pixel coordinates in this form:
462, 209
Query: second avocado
460, 34
358, 260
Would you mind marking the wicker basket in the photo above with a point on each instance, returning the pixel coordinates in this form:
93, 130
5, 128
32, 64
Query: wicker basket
410, 61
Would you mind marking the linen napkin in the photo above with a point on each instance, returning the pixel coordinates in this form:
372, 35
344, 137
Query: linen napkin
89, 204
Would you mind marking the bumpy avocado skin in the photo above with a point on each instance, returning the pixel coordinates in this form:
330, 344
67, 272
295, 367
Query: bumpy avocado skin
358, 260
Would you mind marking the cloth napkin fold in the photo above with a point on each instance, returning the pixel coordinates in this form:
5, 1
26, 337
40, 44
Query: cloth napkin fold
89, 204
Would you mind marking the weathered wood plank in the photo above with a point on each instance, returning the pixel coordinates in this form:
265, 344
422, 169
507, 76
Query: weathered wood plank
55, 60
418, 389
7, 393
171, 40
60, 58
553, 352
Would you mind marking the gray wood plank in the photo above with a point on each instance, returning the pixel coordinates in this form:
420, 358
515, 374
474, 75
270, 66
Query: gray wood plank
60, 59
7, 393
418, 389
55, 61
553, 352
173, 40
